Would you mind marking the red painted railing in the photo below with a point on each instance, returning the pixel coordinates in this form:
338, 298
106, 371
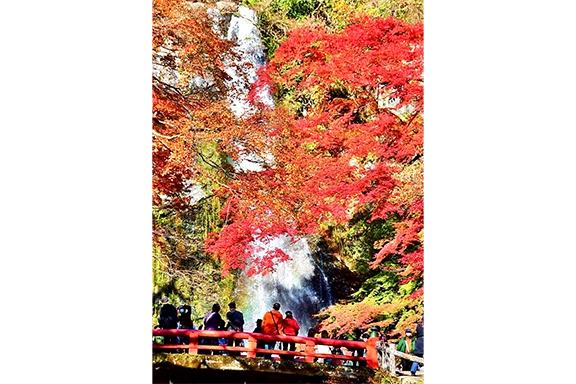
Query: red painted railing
305, 346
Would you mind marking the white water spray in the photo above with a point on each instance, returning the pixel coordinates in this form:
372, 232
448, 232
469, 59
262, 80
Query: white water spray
299, 285
244, 32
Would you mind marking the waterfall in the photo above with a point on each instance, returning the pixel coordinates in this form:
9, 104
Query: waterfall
244, 32
300, 284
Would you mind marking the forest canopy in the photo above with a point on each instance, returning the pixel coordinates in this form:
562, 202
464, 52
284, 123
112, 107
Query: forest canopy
340, 158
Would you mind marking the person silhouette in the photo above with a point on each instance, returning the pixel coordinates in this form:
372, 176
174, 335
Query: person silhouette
322, 348
184, 322
185, 317
235, 323
359, 352
259, 343
407, 344
418, 349
168, 319
272, 325
212, 322
291, 328
258, 328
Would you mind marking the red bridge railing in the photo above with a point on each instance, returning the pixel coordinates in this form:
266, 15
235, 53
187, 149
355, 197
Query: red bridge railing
305, 346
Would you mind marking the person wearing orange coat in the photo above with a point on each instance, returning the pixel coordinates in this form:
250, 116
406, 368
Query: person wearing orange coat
272, 324
291, 328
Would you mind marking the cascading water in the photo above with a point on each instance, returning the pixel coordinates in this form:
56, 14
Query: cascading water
244, 32
300, 284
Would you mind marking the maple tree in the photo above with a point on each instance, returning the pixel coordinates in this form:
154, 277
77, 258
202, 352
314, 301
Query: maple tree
197, 144
194, 130
194, 134
344, 141
345, 138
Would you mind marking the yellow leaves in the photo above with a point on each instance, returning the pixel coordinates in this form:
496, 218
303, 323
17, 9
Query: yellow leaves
378, 244
410, 184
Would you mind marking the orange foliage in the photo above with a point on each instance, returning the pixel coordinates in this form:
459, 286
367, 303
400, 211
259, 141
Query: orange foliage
351, 138
347, 138
190, 110
342, 318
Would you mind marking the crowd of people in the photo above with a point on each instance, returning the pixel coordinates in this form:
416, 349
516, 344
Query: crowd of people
274, 323
413, 345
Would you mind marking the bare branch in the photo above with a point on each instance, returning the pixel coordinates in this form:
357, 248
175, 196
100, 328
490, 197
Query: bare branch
161, 135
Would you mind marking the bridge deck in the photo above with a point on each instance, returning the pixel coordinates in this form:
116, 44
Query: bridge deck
198, 360
185, 368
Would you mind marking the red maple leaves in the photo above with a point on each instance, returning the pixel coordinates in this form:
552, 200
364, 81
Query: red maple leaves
345, 136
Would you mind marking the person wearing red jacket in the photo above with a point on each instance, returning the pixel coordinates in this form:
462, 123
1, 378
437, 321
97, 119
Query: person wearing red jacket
272, 324
291, 328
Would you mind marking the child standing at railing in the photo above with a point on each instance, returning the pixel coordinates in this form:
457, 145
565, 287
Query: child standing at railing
259, 343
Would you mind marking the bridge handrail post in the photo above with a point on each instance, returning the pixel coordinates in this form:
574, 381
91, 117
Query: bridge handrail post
193, 346
371, 353
310, 350
252, 343
392, 358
